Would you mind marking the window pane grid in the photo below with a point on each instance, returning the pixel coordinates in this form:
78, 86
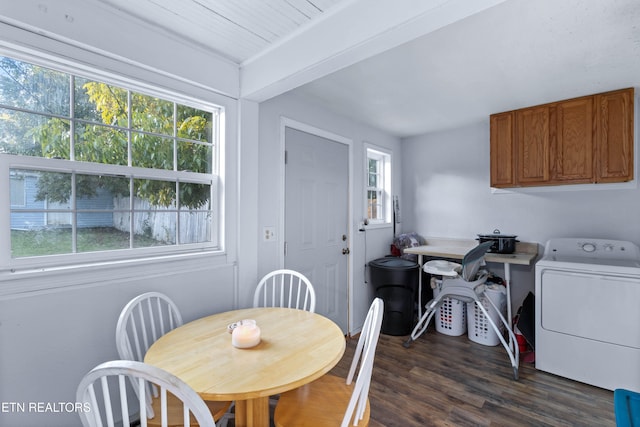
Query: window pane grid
374, 192
7, 111
159, 155
140, 224
377, 188
197, 128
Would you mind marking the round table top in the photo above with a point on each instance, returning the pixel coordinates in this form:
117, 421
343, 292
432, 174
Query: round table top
296, 348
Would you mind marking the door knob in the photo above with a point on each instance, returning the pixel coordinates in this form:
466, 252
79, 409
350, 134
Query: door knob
346, 251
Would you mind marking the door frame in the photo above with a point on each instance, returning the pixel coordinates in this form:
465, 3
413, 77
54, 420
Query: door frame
286, 122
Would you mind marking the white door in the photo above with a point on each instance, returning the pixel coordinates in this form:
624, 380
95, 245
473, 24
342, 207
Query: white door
316, 218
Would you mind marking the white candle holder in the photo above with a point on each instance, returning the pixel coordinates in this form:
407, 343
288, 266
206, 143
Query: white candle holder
245, 335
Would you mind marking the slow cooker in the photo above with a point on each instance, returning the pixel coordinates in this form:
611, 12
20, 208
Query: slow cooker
501, 243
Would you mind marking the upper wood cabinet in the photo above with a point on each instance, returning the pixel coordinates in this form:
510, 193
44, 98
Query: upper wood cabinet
573, 141
532, 145
581, 140
614, 136
502, 150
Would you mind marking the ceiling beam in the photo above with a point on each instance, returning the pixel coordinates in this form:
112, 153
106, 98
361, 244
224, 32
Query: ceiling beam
353, 31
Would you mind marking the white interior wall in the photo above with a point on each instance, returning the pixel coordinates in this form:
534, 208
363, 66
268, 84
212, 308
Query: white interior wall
49, 340
367, 246
248, 234
447, 194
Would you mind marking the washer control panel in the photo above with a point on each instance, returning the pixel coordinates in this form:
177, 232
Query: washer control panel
591, 248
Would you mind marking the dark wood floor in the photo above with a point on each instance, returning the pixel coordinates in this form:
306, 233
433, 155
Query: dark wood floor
451, 381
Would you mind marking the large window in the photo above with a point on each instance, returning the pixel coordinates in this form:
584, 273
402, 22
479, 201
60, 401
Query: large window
378, 178
91, 167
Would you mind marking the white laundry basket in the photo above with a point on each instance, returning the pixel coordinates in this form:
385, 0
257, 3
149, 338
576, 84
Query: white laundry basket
479, 328
451, 317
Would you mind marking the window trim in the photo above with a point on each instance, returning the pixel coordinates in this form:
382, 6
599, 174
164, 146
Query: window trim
216, 178
373, 151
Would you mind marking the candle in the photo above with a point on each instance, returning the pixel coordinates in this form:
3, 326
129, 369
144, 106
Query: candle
245, 335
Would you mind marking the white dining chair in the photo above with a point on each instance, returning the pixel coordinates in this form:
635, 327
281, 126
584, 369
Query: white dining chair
142, 321
285, 288
330, 401
105, 397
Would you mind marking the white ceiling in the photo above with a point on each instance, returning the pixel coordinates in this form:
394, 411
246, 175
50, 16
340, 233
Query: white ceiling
235, 29
519, 53
416, 66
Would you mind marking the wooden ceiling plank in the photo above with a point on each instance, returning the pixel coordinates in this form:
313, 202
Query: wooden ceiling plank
253, 18
236, 30
289, 16
220, 31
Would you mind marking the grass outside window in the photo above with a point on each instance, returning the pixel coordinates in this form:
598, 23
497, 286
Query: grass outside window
53, 241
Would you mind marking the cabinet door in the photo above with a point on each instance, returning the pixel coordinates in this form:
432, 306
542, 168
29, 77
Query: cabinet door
573, 141
501, 146
532, 146
615, 136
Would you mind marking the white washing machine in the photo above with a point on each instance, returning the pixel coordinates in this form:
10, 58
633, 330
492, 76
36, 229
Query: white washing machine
588, 312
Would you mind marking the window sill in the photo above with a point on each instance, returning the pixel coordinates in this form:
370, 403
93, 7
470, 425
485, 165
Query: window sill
19, 282
378, 226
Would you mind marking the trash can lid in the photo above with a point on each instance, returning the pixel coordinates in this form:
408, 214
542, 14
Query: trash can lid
393, 263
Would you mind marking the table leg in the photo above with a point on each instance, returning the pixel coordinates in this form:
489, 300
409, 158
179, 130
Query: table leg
252, 412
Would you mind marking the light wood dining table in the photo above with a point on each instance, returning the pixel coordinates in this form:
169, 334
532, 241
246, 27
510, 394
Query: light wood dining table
296, 348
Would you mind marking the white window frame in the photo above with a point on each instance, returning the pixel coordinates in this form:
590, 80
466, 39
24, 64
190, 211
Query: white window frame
384, 175
216, 179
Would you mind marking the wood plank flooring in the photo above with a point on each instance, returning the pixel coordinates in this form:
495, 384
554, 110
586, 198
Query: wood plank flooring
451, 381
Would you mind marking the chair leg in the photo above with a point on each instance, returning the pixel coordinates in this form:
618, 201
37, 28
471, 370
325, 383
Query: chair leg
423, 322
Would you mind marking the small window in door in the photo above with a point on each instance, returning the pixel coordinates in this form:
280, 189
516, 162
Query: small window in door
378, 191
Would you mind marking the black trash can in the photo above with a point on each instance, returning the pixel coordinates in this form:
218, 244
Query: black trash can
396, 282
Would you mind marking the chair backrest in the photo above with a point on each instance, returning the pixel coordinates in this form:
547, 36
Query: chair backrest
363, 357
285, 288
103, 394
142, 321
473, 259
